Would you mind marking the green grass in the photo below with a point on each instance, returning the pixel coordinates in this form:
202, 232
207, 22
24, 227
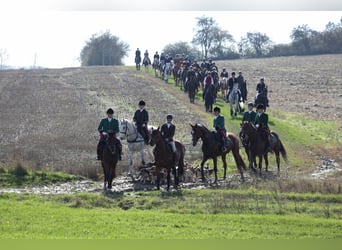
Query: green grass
20, 176
200, 214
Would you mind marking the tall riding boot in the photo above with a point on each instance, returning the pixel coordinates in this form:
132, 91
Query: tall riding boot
99, 150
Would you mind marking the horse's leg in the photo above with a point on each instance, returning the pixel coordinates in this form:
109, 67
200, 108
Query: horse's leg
266, 161
215, 168
168, 178
142, 154
202, 170
130, 170
260, 162
224, 165
277, 159
158, 177
105, 179
111, 177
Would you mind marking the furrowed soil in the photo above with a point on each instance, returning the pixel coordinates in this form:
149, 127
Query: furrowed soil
49, 117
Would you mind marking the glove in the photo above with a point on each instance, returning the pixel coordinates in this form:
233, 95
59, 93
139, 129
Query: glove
257, 125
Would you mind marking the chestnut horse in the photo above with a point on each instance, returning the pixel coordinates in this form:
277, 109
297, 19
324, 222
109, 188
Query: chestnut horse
255, 145
164, 158
109, 159
211, 148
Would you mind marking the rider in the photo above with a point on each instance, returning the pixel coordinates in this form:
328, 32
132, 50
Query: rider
231, 81
108, 124
261, 86
168, 131
261, 122
218, 124
249, 115
242, 86
156, 56
224, 73
262, 89
141, 119
146, 54
137, 53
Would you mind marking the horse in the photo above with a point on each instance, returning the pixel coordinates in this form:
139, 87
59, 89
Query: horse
137, 61
155, 66
211, 148
192, 87
176, 72
223, 85
109, 159
146, 62
135, 142
234, 99
256, 146
261, 98
167, 71
209, 97
164, 158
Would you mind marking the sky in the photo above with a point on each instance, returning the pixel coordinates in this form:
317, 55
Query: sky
52, 33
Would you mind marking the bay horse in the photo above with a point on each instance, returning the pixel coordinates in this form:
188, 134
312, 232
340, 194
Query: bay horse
256, 146
109, 160
261, 98
135, 142
137, 61
164, 158
211, 148
192, 87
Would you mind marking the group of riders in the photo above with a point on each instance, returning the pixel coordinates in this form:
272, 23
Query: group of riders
207, 75
140, 119
191, 75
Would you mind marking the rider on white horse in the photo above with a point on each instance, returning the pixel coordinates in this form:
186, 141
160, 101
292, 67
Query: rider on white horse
231, 81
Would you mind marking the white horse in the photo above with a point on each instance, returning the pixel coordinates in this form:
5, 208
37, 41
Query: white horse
234, 100
135, 142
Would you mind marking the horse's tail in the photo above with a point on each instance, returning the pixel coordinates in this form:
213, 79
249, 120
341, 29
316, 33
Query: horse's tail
236, 153
282, 150
281, 146
181, 160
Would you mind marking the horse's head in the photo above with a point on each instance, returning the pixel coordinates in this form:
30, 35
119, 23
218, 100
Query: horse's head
196, 132
111, 141
247, 128
123, 128
156, 136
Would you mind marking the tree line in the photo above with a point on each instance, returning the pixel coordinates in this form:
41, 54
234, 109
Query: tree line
211, 41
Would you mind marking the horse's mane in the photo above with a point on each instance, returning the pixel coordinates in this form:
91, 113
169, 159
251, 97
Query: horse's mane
202, 126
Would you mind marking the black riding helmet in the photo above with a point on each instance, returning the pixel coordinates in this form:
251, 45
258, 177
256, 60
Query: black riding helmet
142, 103
169, 117
110, 111
260, 106
217, 109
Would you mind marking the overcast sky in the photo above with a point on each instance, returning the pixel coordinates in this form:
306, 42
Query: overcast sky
53, 35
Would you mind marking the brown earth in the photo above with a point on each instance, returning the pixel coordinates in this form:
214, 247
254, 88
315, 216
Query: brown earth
49, 117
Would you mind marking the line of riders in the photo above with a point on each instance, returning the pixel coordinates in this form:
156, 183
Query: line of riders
141, 119
206, 75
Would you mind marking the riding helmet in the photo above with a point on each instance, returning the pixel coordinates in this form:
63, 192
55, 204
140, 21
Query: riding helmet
260, 106
142, 103
250, 104
217, 109
110, 111
169, 117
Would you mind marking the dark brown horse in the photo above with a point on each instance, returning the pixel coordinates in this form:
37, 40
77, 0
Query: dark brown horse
211, 148
165, 159
255, 146
109, 160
